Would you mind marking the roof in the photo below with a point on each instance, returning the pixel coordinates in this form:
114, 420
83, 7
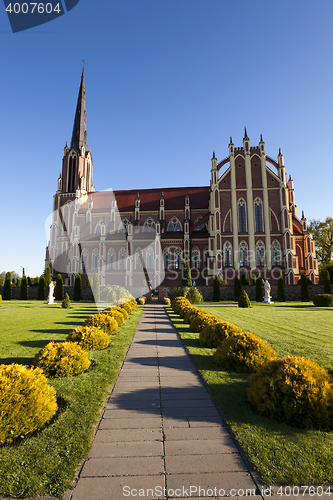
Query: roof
174, 199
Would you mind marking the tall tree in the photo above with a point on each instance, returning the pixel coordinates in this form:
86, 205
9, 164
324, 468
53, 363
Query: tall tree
24, 289
237, 288
47, 275
323, 236
77, 288
259, 292
41, 288
59, 288
186, 274
96, 288
304, 288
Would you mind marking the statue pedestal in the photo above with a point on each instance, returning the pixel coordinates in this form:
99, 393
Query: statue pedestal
267, 300
50, 300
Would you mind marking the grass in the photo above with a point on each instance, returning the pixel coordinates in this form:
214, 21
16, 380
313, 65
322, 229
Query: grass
280, 453
46, 462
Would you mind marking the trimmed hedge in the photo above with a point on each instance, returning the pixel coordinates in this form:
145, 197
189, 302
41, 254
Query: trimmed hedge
201, 319
243, 353
323, 300
105, 322
213, 335
293, 390
61, 359
89, 338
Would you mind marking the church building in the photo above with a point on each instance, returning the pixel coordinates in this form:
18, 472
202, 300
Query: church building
244, 220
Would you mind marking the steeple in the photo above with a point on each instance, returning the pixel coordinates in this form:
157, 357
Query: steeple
79, 135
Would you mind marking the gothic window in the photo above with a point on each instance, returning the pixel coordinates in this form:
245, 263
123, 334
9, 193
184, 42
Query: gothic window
149, 226
111, 259
95, 259
260, 247
276, 251
138, 259
71, 173
243, 251
167, 258
206, 256
174, 225
98, 229
198, 228
227, 254
150, 259
195, 258
258, 215
178, 258
122, 259
85, 260
242, 216
123, 226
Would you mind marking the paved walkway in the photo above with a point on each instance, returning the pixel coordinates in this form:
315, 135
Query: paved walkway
160, 428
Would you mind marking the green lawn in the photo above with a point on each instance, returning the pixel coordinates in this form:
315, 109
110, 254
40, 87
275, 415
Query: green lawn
45, 463
280, 453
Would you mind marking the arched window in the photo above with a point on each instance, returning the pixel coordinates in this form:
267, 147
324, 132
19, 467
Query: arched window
95, 259
243, 251
123, 226
167, 258
174, 225
98, 229
260, 247
85, 260
149, 226
71, 173
122, 259
195, 258
178, 258
111, 259
150, 259
258, 215
276, 253
138, 259
227, 254
242, 215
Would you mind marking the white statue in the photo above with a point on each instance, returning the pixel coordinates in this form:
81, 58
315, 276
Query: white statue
50, 299
267, 297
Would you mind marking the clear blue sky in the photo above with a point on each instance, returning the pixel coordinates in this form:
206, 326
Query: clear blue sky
167, 83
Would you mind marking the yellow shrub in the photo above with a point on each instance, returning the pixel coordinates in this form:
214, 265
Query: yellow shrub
128, 306
293, 390
166, 301
201, 319
142, 301
243, 353
213, 335
27, 401
178, 302
61, 359
89, 338
105, 322
185, 309
113, 312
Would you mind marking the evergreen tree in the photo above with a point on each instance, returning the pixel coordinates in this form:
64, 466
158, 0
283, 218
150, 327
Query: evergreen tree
237, 289
24, 289
186, 274
29, 281
245, 280
7, 288
59, 288
244, 300
259, 292
47, 275
216, 290
41, 288
77, 288
281, 294
96, 288
88, 283
304, 289
327, 283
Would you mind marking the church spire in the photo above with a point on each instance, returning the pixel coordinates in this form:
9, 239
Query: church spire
79, 135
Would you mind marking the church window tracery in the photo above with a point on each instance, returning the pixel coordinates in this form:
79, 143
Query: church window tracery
276, 251
111, 259
150, 259
174, 225
243, 251
242, 216
258, 215
167, 258
227, 254
260, 248
85, 257
149, 226
195, 258
178, 258
95, 259
138, 259
123, 226
122, 258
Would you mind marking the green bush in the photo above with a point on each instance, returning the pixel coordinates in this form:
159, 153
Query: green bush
96, 288
216, 290
66, 303
2, 281
7, 289
327, 283
243, 353
61, 359
293, 390
24, 289
166, 301
323, 300
245, 280
186, 273
213, 335
47, 276
105, 322
201, 319
77, 288
194, 295
259, 292
304, 288
281, 294
27, 401
237, 289
89, 338
41, 288
244, 300
59, 288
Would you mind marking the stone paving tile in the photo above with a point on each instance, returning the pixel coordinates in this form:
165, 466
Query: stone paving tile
127, 435
200, 447
189, 403
122, 466
203, 433
126, 449
155, 393
130, 423
192, 412
204, 421
181, 394
189, 464
175, 422
133, 405
223, 482
130, 414
113, 488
